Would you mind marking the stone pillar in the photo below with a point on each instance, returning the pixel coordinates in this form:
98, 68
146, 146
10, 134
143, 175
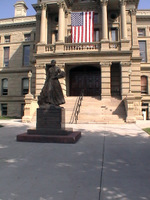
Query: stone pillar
61, 22
123, 20
105, 79
104, 20
125, 66
135, 44
104, 41
43, 24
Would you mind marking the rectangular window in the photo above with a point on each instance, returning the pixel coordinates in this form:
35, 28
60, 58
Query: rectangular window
96, 35
27, 37
6, 56
4, 109
25, 86
142, 45
114, 34
95, 18
26, 55
5, 86
141, 32
56, 35
7, 38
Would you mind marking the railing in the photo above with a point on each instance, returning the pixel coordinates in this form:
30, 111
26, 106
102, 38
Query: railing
114, 45
50, 48
76, 109
82, 46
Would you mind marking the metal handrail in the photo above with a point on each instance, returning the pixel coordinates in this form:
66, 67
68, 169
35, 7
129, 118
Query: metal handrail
76, 109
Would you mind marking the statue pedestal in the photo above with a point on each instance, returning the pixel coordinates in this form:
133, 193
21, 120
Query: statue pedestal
50, 127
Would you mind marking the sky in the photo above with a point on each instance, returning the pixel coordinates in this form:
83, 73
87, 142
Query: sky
7, 9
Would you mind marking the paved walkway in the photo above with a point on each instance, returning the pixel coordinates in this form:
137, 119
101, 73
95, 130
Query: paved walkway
109, 162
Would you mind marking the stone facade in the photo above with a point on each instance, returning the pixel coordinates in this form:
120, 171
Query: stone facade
115, 52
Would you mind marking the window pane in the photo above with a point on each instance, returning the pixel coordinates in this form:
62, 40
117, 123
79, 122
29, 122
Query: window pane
6, 56
7, 38
141, 32
142, 45
27, 37
96, 35
95, 18
25, 86
144, 85
26, 55
114, 35
4, 109
4, 87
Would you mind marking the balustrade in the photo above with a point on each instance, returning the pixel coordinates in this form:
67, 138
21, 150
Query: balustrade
79, 47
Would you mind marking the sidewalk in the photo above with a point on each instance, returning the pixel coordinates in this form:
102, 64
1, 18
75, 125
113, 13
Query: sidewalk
109, 162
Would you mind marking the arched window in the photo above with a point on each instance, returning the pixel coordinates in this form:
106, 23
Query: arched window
144, 84
25, 86
5, 86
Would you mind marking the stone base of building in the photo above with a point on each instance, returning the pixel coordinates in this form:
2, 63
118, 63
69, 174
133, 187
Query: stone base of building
50, 128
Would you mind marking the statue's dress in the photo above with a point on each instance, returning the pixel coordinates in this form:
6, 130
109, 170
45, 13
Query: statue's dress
52, 91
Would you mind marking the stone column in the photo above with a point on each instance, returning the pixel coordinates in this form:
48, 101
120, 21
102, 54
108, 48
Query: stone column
104, 41
105, 79
61, 22
104, 20
135, 44
43, 24
125, 66
123, 20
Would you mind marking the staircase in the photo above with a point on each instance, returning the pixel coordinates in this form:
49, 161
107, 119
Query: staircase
94, 110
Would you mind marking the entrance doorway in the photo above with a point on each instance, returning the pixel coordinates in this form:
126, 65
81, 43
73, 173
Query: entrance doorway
86, 78
115, 80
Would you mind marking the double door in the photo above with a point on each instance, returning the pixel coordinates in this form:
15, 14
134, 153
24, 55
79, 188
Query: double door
87, 80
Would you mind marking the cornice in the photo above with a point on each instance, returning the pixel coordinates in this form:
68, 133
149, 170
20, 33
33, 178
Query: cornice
33, 23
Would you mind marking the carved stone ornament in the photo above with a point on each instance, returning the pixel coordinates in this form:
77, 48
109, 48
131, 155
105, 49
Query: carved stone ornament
105, 64
62, 5
125, 63
133, 11
104, 2
122, 2
43, 6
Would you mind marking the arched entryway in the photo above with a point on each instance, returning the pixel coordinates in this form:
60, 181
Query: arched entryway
87, 78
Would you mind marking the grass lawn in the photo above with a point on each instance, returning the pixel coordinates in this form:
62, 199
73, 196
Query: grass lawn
5, 117
147, 130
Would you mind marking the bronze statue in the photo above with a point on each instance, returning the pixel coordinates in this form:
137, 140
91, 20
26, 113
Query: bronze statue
51, 93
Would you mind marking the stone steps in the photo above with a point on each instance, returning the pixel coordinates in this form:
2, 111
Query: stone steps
93, 110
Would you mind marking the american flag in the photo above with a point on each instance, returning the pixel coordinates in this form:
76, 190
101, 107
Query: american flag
82, 26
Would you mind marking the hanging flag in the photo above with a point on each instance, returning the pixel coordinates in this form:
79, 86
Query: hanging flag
82, 27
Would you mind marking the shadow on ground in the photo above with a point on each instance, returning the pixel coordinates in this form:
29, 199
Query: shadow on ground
108, 162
